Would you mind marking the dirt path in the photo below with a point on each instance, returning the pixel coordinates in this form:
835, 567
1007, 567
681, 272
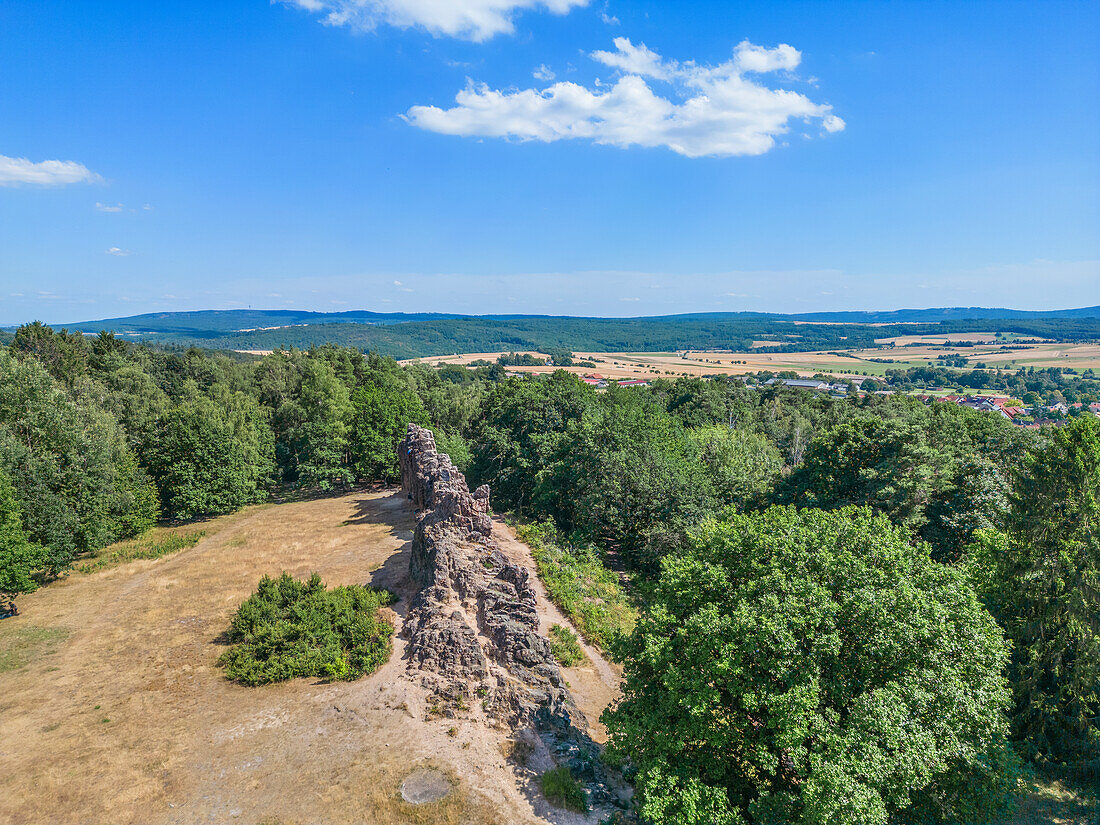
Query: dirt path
128, 719
595, 683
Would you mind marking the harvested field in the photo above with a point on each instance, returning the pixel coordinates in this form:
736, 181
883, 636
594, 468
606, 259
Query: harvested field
113, 709
841, 363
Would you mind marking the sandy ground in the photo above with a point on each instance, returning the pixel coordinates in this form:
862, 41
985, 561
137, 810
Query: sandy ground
129, 720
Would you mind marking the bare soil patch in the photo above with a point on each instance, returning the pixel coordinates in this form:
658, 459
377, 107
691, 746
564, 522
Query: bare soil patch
123, 715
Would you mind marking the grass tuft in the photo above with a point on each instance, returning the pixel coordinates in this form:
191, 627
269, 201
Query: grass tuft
19, 646
562, 790
289, 628
159, 543
565, 646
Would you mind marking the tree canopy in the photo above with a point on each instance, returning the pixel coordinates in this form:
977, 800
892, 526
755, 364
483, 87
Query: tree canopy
802, 666
20, 558
1041, 577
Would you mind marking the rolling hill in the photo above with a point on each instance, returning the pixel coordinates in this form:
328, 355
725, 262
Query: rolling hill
414, 335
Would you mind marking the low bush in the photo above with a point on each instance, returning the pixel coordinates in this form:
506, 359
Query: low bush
144, 548
290, 628
584, 589
562, 790
565, 646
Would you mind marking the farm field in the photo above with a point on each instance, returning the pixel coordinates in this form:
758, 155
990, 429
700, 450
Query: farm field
622, 365
113, 707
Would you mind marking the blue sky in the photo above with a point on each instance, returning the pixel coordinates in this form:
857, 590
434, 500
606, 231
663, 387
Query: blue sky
605, 158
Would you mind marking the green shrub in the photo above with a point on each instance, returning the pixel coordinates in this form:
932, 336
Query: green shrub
148, 548
290, 628
20, 559
562, 790
564, 644
456, 447
581, 586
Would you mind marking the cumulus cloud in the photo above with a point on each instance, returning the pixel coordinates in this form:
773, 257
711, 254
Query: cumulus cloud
117, 252
106, 207
706, 110
543, 72
18, 171
476, 20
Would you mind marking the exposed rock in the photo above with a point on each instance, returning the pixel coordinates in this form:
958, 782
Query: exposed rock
473, 628
425, 785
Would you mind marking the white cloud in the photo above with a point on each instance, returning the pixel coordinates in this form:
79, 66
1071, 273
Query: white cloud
640, 60
750, 58
16, 171
710, 110
609, 19
106, 207
475, 20
118, 253
543, 72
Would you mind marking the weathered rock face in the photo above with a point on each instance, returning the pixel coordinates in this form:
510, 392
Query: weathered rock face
473, 627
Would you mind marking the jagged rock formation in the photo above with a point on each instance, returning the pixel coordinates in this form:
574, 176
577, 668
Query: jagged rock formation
472, 629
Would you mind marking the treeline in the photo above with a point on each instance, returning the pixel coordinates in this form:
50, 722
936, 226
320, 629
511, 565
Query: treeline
446, 336
100, 438
633, 468
1031, 385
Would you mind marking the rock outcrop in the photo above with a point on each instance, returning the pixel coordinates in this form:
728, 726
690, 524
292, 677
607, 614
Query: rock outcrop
473, 628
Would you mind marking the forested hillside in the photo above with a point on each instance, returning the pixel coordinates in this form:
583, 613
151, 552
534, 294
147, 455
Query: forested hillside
848, 610
419, 335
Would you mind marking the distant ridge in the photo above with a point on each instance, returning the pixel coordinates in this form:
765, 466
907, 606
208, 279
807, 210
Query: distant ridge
237, 320
420, 335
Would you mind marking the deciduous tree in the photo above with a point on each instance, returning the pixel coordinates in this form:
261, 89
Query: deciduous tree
1042, 579
802, 666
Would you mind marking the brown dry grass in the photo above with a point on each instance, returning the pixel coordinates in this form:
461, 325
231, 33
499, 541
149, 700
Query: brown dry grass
123, 716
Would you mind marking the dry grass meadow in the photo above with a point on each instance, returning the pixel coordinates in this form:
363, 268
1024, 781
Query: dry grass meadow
113, 709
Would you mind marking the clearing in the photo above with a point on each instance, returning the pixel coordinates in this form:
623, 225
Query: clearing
113, 708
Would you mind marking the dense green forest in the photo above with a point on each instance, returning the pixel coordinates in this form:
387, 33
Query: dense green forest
421, 335
850, 610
